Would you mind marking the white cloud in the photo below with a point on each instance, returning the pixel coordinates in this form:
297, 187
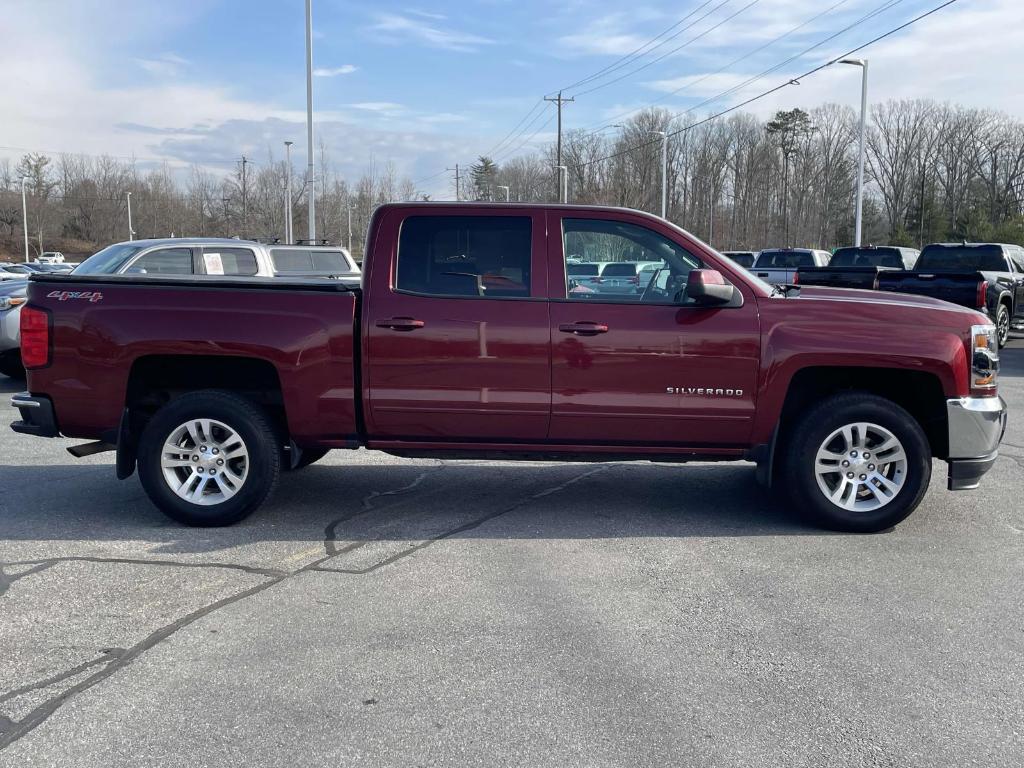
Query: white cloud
395, 28
604, 36
165, 65
387, 107
344, 69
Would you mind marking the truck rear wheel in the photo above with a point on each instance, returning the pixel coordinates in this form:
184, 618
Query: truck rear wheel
1002, 325
208, 458
857, 462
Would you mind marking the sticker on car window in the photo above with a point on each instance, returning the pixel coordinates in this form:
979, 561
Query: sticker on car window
214, 263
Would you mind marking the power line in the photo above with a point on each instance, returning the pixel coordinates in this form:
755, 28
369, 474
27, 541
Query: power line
779, 87
528, 139
722, 69
492, 150
636, 52
675, 50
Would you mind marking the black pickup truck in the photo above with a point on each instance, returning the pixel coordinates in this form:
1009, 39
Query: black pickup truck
858, 266
984, 276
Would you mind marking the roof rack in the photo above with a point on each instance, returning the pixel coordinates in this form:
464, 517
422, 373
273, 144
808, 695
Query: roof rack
307, 241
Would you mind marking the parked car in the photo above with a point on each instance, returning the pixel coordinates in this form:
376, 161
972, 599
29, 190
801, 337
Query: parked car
779, 265
14, 271
13, 295
986, 276
218, 257
858, 266
51, 257
619, 277
465, 339
744, 258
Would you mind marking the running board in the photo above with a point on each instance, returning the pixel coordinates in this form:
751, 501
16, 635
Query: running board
91, 449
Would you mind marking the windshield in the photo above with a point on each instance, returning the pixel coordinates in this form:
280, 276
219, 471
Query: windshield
785, 259
962, 257
867, 257
108, 261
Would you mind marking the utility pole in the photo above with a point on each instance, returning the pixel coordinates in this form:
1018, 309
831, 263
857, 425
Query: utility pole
559, 101
288, 234
24, 214
563, 173
664, 172
311, 172
245, 201
349, 203
458, 188
131, 231
863, 64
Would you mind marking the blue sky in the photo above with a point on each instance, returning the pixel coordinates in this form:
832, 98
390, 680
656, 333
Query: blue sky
425, 85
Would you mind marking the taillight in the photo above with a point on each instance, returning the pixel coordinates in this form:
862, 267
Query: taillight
635, 280
35, 337
981, 300
796, 278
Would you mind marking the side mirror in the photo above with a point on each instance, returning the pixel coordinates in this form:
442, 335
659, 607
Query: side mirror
708, 287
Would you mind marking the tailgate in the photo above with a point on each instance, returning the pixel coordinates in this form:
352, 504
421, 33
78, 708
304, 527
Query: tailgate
955, 287
840, 277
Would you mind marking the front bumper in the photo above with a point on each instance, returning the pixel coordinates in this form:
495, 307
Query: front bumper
976, 427
37, 416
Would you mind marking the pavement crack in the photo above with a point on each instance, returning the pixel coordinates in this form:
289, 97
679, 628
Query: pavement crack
51, 561
366, 505
408, 551
7, 579
109, 655
16, 730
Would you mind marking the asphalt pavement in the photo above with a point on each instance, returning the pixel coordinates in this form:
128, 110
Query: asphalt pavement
386, 612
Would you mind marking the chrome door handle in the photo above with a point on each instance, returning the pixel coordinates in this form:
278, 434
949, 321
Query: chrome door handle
401, 324
584, 328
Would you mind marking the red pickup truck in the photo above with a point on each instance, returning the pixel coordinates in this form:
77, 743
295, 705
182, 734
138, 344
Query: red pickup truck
466, 338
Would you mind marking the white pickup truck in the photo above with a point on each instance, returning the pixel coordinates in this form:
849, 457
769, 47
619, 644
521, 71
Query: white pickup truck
779, 265
219, 256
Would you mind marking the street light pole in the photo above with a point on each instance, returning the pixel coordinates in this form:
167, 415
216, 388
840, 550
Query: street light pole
508, 192
288, 234
311, 173
131, 231
24, 215
863, 64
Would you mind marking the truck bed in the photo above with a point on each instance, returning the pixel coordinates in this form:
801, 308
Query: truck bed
955, 287
108, 329
840, 277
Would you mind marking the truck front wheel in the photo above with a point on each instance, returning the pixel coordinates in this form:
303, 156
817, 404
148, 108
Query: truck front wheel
208, 458
857, 462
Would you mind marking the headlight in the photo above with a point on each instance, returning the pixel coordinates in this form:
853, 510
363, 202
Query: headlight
8, 302
984, 357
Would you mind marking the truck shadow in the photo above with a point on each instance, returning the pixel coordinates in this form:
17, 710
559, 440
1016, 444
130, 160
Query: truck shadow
1011, 358
327, 506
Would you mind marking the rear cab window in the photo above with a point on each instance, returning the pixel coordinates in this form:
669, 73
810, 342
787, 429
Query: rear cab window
785, 259
962, 258
469, 256
164, 261
867, 257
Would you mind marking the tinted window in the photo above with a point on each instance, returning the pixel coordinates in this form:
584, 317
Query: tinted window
962, 258
309, 260
166, 261
619, 270
485, 256
867, 257
785, 259
229, 261
607, 239
743, 258
588, 270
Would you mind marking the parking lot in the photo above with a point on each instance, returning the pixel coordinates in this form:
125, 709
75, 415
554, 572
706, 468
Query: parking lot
394, 612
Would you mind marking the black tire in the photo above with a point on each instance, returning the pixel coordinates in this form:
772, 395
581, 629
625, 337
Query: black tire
247, 421
10, 365
307, 456
817, 424
1002, 325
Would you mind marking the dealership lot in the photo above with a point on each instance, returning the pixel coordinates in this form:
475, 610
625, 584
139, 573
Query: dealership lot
488, 613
